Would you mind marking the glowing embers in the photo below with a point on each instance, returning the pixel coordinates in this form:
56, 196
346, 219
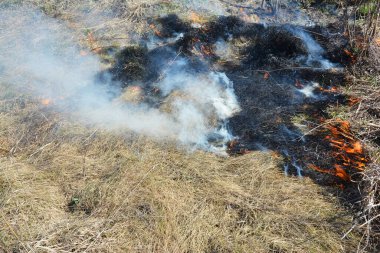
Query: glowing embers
346, 150
156, 31
337, 171
207, 50
331, 89
46, 101
353, 101
92, 43
350, 55
199, 46
49, 101
196, 20
201, 49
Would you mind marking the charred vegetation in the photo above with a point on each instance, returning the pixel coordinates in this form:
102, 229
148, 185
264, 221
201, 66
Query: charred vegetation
274, 81
306, 108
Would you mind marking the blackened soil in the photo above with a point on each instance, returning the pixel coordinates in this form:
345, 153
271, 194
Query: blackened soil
269, 75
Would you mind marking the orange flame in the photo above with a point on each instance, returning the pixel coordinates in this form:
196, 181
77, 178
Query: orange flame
206, 50
195, 18
331, 90
341, 173
350, 54
338, 171
155, 30
232, 144
46, 101
347, 150
353, 101
93, 43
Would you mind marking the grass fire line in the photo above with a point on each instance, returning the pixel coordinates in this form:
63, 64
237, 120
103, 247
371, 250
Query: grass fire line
346, 149
177, 140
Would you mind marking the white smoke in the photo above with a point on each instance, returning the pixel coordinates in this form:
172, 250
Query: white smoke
315, 57
41, 57
309, 89
223, 49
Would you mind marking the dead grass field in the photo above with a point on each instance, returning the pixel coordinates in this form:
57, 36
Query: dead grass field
70, 188
66, 187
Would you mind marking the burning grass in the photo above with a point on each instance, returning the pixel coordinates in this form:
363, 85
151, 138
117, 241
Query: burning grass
69, 188
347, 151
65, 187
366, 122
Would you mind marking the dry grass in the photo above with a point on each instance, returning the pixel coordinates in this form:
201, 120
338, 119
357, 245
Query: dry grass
366, 121
370, 213
68, 188
65, 187
115, 22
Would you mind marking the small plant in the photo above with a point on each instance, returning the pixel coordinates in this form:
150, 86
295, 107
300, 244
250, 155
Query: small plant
73, 204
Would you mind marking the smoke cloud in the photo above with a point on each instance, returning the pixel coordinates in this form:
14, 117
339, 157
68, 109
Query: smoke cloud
41, 57
315, 57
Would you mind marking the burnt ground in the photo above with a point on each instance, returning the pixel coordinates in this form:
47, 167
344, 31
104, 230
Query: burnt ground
271, 70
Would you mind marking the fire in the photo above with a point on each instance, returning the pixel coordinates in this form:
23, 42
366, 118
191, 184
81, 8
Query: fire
206, 50
201, 49
346, 149
337, 171
93, 43
341, 173
46, 101
195, 18
155, 30
350, 54
330, 90
91, 38
232, 144
353, 101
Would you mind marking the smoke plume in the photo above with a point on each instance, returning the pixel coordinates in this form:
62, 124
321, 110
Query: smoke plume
40, 57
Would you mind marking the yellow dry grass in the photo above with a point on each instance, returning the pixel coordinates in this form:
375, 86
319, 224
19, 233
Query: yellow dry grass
70, 188
65, 187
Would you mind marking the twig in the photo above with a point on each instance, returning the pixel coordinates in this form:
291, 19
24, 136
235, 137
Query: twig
360, 105
315, 128
369, 221
15, 234
289, 68
40, 149
374, 125
90, 136
348, 232
162, 75
13, 149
